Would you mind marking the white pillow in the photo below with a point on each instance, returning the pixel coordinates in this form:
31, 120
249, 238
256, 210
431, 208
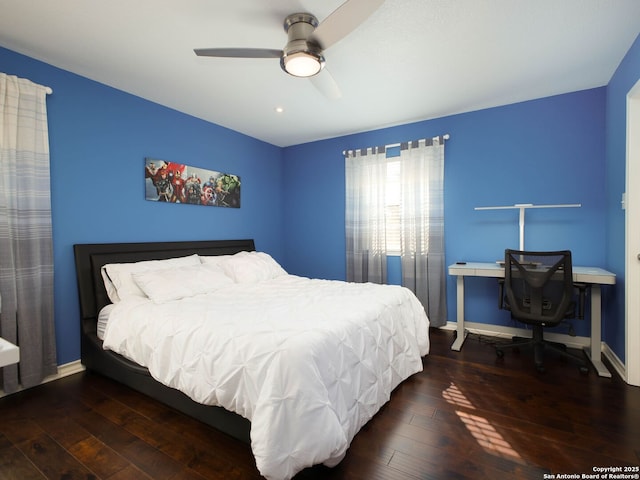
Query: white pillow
180, 282
120, 284
251, 267
213, 259
112, 293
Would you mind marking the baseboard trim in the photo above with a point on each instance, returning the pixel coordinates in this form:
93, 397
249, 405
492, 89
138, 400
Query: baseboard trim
572, 342
63, 371
508, 332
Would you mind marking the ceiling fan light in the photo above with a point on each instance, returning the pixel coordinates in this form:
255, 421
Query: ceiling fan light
302, 64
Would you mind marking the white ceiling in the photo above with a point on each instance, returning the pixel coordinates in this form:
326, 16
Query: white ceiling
411, 60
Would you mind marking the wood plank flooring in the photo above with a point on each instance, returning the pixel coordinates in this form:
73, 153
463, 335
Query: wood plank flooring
468, 415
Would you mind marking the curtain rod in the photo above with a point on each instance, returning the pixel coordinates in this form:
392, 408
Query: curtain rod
446, 136
48, 90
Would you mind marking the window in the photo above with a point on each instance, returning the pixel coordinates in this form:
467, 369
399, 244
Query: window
393, 206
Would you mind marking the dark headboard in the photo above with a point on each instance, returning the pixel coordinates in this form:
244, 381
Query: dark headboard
91, 257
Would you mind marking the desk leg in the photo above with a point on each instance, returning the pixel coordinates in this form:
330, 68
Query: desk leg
594, 352
462, 333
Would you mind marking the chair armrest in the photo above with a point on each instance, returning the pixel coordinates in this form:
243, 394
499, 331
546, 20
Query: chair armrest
501, 305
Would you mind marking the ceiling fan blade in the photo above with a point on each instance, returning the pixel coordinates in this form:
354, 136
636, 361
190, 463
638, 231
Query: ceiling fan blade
238, 52
346, 18
326, 85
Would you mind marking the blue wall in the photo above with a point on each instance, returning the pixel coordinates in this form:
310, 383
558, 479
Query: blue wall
625, 77
99, 138
546, 151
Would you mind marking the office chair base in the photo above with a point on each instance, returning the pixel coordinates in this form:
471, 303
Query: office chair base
539, 345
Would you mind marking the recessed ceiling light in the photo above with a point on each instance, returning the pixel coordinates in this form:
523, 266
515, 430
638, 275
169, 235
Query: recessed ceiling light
279, 110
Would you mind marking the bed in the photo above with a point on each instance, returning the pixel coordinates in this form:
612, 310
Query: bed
291, 365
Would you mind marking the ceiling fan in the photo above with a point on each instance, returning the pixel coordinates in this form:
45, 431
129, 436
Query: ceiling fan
303, 55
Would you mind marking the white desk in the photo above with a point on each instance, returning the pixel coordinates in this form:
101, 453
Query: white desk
9, 353
594, 276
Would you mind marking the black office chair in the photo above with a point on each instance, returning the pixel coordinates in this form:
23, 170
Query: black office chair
539, 291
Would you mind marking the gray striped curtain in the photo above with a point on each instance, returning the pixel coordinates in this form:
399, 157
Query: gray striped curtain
422, 231
26, 251
365, 177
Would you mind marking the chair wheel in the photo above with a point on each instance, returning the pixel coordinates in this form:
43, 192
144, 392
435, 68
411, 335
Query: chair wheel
584, 370
499, 353
540, 368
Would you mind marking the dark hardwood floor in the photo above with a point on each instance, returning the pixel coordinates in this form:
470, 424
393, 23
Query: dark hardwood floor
468, 415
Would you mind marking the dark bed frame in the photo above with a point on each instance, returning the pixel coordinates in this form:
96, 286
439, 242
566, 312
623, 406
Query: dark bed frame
89, 260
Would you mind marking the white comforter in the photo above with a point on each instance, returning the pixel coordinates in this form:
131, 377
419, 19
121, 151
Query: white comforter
308, 362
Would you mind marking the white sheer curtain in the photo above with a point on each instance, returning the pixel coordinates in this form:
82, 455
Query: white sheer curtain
26, 252
422, 225
365, 176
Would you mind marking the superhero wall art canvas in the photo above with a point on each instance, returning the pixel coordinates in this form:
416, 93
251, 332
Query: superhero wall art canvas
178, 183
